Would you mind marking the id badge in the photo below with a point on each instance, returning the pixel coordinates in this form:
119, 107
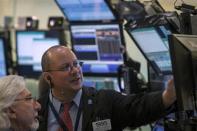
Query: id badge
102, 125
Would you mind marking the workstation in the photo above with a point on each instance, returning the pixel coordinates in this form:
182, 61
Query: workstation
132, 47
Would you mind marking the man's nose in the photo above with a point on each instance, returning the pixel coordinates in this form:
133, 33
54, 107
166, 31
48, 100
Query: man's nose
74, 69
37, 105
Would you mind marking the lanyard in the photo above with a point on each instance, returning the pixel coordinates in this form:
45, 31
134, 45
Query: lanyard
60, 121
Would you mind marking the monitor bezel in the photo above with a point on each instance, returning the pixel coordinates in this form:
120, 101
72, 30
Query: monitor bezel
155, 67
79, 21
182, 92
32, 74
122, 44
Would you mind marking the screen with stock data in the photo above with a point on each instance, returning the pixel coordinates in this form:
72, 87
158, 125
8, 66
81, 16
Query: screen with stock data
98, 46
30, 47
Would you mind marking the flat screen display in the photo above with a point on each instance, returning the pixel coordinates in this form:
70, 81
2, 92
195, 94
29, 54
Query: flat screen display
102, 83
183, 52
30, 47
85, 10
98, 46
3, 68
153, 43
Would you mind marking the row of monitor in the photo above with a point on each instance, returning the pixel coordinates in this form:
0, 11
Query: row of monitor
97, 45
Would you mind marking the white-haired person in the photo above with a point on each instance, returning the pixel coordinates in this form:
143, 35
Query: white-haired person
18, 109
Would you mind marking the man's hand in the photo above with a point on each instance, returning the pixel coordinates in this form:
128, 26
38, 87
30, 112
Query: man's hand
169, 94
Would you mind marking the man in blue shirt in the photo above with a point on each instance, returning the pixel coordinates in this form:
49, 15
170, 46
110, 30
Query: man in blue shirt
93, 110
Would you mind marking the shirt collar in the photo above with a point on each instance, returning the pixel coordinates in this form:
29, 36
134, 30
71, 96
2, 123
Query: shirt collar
77, 97
57, 103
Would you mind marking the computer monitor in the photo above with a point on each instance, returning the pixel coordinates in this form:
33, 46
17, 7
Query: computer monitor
99, 47
86, 10
30, 46
3, 65
183, 52
102, 83
152, 41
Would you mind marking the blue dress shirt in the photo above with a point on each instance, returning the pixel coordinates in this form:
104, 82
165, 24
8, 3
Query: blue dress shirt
53, 125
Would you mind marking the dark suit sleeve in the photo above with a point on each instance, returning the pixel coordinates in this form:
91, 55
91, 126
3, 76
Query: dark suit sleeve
135, 110
43, 113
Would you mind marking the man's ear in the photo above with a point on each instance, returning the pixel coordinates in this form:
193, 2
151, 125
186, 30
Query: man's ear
11, 112
47, 77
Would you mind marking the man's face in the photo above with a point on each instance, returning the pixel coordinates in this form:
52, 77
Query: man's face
65, 71
26, 110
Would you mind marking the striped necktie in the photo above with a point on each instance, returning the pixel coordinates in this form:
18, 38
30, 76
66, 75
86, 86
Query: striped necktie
65, 116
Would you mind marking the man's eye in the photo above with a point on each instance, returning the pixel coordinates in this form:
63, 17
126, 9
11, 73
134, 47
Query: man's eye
75, 64
65, 67
29, 98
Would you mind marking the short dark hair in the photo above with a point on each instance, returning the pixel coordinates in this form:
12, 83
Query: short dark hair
46, 61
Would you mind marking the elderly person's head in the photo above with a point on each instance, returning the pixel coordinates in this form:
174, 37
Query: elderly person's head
18, 111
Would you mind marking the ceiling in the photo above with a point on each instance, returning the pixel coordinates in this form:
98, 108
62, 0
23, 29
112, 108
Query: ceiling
169, 4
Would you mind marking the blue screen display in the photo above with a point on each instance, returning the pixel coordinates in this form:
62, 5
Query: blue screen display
98, 46
85, 10
30, 47
102, 83
3, 70
153, 42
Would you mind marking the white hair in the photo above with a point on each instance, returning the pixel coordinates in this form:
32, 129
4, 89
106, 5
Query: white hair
10, 87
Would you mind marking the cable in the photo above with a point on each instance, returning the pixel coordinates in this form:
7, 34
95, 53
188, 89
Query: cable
176, 2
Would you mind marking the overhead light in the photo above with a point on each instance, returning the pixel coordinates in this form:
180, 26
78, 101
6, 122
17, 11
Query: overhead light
56, 22
32, 23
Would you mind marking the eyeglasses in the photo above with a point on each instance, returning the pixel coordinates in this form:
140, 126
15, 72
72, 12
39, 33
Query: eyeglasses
28, 98
68, 67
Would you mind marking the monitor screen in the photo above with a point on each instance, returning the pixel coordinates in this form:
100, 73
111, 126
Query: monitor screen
98, 46
183, 52
102, 83
85, 10
30, 46
3, 67
153, 43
